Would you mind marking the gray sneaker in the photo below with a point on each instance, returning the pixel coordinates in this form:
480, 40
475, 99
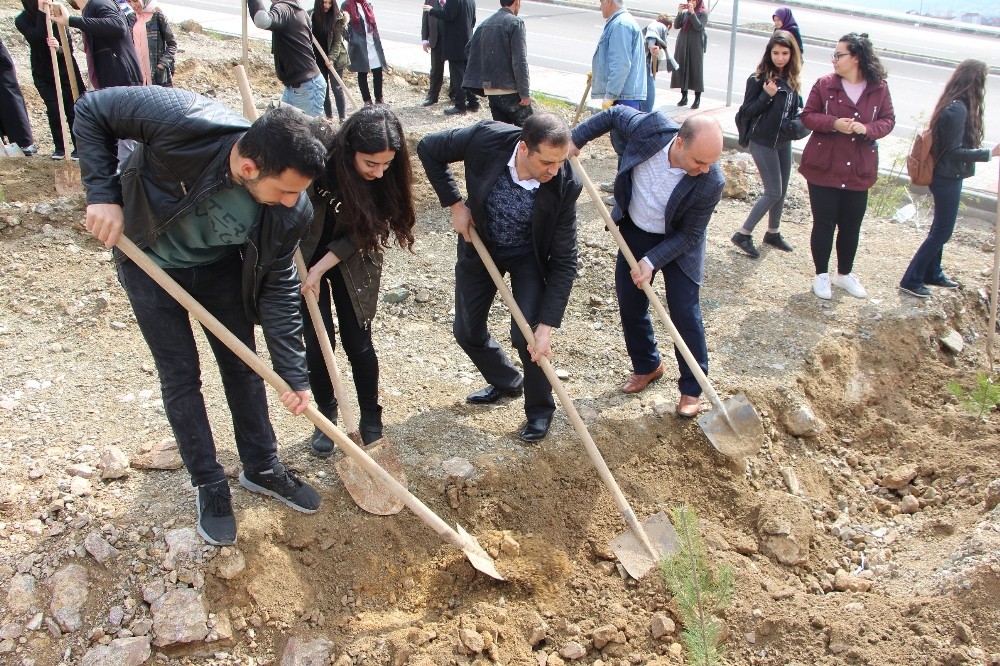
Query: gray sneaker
216, 522
283, 485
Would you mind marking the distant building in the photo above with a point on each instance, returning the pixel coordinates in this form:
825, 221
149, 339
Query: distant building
971, 17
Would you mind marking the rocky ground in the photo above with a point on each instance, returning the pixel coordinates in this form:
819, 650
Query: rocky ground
863, 531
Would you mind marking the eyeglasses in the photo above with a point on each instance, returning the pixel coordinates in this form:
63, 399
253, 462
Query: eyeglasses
837, 56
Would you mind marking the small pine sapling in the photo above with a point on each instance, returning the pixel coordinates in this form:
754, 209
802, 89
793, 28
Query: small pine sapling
983, 398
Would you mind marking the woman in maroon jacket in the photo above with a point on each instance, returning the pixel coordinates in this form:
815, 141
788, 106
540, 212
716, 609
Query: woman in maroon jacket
847, 111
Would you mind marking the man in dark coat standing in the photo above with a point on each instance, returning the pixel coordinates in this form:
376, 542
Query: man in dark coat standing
14, 123
107, 39
432, 39
522, 201
459, 18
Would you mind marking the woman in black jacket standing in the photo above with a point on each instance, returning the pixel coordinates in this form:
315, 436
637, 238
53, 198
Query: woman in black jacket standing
772, 95
328, 24
957, 131
362, 203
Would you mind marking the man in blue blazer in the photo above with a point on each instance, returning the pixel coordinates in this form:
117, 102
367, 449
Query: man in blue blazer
522, 202
666, 190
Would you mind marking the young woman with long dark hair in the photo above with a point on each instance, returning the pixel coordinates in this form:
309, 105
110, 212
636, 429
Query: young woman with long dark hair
957, 135
328, 24
848, 110
362, 204
771, 96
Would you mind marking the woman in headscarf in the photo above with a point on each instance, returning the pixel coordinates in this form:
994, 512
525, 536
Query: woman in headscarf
154, 43
783, 20
690, 51
364, 47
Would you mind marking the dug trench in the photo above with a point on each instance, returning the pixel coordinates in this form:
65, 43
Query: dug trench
863, 531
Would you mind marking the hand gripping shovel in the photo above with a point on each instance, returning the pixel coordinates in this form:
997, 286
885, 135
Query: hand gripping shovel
366, 492
733, 428
641, 548
457, 537
67, 177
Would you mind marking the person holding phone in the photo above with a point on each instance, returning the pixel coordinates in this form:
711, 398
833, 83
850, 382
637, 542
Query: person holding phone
692, 42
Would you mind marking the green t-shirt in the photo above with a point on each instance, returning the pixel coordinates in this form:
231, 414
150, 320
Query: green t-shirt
216, 228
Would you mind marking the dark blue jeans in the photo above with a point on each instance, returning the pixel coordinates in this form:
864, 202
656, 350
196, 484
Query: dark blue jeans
925, 267
167, 329
683, 307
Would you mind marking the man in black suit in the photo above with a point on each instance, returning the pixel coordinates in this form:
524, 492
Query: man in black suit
459, 18
432, 39
522, 201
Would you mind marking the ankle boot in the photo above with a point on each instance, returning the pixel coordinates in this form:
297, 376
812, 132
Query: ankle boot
684, 98
371, 425
320, 444
697, 100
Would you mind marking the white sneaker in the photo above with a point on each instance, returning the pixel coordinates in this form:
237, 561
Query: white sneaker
850, 284
821, 286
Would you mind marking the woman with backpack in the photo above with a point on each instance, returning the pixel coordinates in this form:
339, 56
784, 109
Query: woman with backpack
361, 205
848, 110
957, 133
772, 97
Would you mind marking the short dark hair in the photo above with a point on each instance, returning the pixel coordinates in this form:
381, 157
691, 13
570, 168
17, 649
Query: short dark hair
545, 127
507, 3
281, 140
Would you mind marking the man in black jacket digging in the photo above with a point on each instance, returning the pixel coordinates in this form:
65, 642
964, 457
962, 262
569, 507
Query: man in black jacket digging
220, 206
522, 201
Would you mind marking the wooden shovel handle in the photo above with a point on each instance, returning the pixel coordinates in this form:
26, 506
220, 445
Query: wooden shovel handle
332, 69
581, 429
352, 450
350, 423
67, 137
583, 100
995, 291
654, 299
70, 63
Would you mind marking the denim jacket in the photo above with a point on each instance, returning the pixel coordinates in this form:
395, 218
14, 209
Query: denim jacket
619, 60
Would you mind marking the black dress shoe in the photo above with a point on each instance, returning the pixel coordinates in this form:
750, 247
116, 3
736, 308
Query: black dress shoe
944, 283
455, 111
429, 102
491, 394
535, 430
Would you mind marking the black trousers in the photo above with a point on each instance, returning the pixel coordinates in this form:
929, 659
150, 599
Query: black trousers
47, 91
474, 295
463, 98
436, 75
14, 123
507, 109
376, 82
839, 211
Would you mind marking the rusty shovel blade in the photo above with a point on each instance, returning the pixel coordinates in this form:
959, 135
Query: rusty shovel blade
634, 556
369, 493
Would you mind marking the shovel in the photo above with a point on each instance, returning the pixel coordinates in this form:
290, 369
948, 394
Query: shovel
583, 100
329, 66
67, 176
734, 427
641, 548
366, 492
995, 291
70, 63
457, 537
11, 149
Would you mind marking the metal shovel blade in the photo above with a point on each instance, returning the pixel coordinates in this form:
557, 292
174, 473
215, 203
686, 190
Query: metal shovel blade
736, 430
67, 180
478, 557
368, 493
634, 556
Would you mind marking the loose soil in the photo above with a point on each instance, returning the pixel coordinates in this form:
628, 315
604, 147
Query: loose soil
76, 377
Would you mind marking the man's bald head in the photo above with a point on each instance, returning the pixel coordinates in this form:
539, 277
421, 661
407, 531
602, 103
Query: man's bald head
698, 144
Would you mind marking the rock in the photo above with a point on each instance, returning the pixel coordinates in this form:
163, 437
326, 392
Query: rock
470, 642
606, 634
397, 295
508, 546
600, 551
81, 470
952, 341
99, 548
179, 616
189, 25
69, 594
33, 527
113, 463
909, 504
184, 546
229, 564
120, 652
993, 495
660, 626
153, 590
11, 631
845, 582
785, 528
802, 422
562, 374
161, 455
740, 176
80, 487
21, 594
537, 630
222, 627
790, 479
572, 651
900, 477
300, 652
458, 467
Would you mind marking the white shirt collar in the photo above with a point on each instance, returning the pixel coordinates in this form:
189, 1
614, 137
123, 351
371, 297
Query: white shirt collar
530, 183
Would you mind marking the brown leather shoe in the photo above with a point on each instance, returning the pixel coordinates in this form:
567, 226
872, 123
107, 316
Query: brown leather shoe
636, 383
688, 406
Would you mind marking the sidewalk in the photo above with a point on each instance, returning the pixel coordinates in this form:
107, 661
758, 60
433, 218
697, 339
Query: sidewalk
980, 191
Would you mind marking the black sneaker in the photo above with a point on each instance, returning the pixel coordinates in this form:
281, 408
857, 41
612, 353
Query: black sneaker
919, 291
216, 522
745, 243
775, 240
59, 154
30, 150
283, 485
944, 283
455, 111
74, 156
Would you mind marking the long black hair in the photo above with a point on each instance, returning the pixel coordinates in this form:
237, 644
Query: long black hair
376, 211
861, 47
323, 22
968, 84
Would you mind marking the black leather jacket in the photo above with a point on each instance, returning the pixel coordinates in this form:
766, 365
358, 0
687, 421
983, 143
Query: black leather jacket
765, 112
183, 157
956, 159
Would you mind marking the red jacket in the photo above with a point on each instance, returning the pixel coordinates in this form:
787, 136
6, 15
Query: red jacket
835, 159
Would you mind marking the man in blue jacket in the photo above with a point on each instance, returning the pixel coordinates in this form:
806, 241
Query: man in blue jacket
667, 188
498, 64
220, 206
618, 66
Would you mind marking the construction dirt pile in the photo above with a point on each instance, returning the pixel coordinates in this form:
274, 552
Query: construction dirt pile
863, 531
